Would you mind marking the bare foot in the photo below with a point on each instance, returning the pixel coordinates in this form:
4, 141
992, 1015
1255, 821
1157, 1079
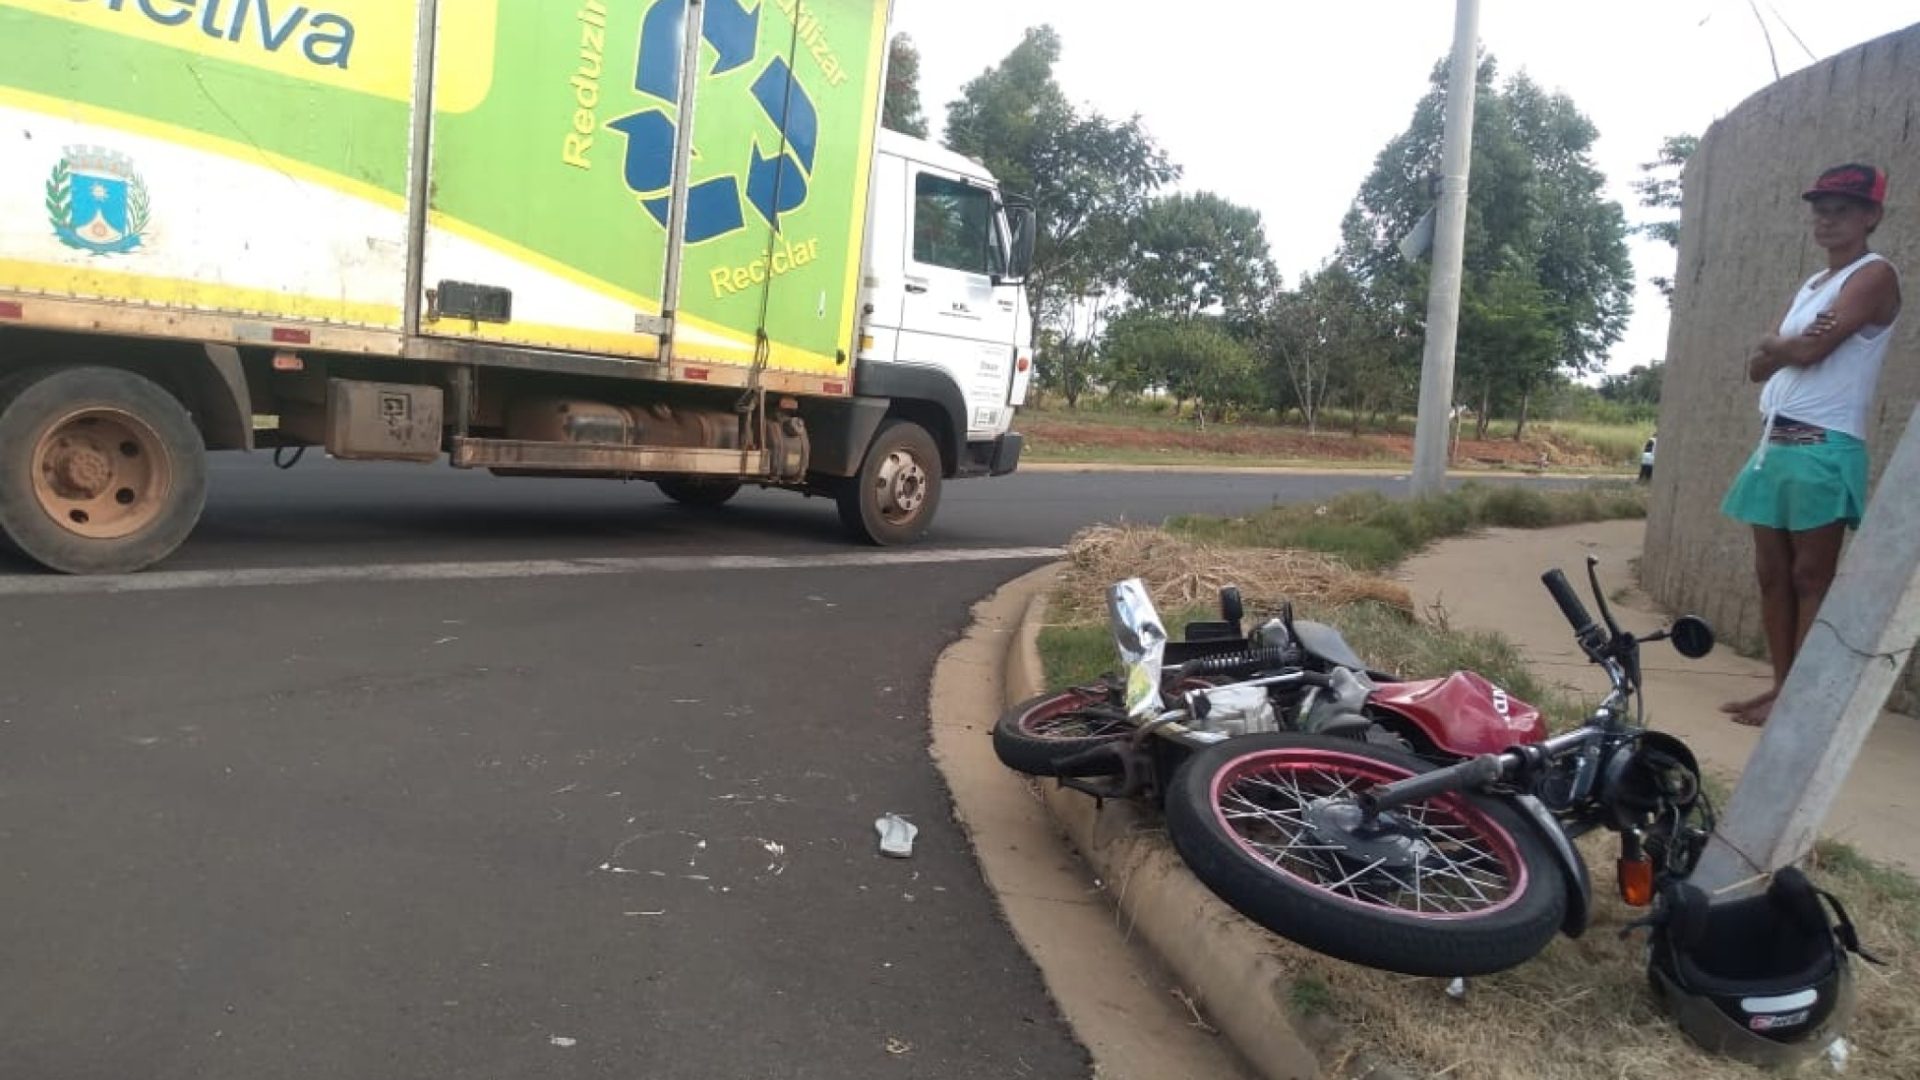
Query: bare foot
1756, 716
1737, 708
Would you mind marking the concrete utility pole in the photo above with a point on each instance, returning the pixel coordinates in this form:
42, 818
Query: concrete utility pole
1449, 244
1857, 649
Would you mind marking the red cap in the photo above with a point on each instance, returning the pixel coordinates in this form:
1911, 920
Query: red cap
1863, 182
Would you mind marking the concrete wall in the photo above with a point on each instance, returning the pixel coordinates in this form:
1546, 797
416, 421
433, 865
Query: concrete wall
1746, 245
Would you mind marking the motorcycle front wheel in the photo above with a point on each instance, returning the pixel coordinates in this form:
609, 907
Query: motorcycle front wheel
1456, 884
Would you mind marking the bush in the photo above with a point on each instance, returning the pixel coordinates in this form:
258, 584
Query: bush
1519, 508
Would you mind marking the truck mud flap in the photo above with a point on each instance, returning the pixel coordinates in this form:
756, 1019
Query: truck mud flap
841, 431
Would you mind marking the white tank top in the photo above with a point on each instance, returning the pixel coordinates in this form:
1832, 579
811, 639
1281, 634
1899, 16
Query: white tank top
1836, 392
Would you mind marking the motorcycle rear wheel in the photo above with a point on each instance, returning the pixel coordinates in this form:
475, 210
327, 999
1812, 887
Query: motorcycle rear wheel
1035, 735
1458, 884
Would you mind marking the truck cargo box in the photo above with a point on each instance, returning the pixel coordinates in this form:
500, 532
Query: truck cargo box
347, 174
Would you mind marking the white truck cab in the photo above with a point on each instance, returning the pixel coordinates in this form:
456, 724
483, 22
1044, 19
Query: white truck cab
944, 309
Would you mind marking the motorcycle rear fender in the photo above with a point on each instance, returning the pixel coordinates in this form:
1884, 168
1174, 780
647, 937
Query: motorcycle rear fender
1572, 867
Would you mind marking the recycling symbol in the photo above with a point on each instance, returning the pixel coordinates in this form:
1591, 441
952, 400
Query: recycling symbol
773, 185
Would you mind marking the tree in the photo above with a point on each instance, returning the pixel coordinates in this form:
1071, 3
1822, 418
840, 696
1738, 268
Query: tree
1323, 339
901, 109
1089, 177
1191, 359
1510, 339
1545, 251
1579, 253
1074, 365
1637, 388
1659, 189
1199, 254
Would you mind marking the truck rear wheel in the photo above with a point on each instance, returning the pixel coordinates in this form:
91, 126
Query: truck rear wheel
101, 470
893, 499
697, 491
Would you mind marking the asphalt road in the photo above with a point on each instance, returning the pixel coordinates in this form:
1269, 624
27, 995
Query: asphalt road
326, 512
606, 826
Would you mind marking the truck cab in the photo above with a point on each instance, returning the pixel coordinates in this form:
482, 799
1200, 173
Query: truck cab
944, 312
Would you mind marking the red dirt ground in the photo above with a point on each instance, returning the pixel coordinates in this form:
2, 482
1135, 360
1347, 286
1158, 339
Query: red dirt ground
1263, 444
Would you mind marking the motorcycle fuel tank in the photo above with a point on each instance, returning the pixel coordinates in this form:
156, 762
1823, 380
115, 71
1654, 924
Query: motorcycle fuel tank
1464, 714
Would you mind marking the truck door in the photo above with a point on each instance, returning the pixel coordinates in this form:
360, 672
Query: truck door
954, 318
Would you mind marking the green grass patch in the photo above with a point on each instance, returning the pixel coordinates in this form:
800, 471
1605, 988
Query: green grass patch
1076, 654
1880, 892
1310, 996
1618, 443
1370, 531
1080, 652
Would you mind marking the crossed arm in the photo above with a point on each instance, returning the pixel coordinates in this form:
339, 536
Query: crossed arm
1871, 298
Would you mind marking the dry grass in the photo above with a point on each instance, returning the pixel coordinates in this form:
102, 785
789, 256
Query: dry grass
1582, 1010
1183, 573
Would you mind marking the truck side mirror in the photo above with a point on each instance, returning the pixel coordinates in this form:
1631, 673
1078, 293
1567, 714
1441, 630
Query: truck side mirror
1023, 224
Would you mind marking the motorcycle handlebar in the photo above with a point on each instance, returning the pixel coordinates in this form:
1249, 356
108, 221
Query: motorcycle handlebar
1570, 606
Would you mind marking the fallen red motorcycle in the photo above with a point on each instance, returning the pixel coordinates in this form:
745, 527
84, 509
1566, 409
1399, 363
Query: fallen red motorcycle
1420, 827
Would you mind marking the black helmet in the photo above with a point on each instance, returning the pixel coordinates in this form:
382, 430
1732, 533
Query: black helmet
1761, 979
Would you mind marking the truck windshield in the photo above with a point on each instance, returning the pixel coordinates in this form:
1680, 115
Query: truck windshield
953, 226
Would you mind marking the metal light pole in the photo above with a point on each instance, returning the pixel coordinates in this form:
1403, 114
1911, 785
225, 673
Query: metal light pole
1449, 243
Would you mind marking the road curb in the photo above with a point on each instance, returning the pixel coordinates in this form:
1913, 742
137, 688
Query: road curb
1227, 962
1120, 1000
1221, 958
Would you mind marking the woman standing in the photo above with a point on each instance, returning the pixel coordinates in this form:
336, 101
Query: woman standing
1806, 483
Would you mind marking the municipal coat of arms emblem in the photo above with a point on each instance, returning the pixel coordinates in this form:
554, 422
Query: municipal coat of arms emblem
96, 202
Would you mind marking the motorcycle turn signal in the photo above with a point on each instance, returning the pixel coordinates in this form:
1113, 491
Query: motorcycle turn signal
1636, 881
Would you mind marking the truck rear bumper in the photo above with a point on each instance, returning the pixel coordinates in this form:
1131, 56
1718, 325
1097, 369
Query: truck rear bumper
993, 457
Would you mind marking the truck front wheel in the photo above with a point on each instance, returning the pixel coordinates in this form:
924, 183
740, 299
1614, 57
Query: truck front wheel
101, 470
893, 499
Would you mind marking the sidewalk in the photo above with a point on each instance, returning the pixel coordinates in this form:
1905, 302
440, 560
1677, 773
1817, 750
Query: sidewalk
1491, 582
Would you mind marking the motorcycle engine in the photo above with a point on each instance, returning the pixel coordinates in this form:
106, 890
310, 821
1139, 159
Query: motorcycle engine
1232, 711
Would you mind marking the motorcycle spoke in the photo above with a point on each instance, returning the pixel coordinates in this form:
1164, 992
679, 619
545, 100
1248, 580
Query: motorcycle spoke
1459, 874
1257, 809
1085, 723
1464, 878
1291, 793
1346, 882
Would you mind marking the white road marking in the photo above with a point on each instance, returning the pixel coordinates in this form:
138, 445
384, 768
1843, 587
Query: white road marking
174, 580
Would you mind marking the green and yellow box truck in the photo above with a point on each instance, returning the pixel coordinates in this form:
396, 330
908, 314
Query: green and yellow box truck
662, 239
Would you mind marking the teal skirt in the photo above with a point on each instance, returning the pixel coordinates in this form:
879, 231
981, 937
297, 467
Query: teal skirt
1797, 487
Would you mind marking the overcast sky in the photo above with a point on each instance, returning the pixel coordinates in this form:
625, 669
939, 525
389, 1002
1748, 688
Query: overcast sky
1282, 104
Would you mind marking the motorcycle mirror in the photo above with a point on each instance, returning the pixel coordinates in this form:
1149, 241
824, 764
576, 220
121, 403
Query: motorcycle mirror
1231, 610
1691, 636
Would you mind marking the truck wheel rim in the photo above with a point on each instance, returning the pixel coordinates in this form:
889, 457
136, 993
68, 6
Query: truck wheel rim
101, 473
903, 486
